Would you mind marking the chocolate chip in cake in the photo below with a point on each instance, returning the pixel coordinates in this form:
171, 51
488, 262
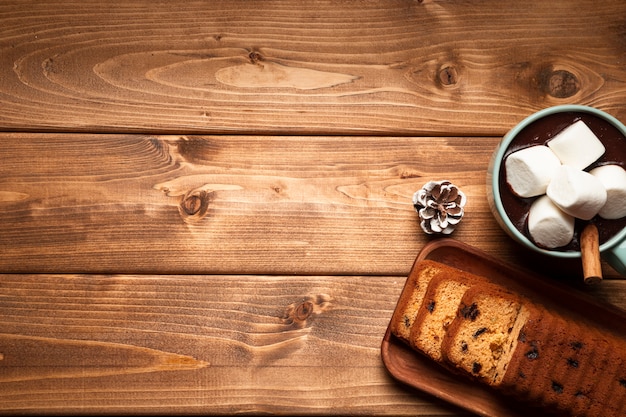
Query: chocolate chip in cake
463, 347
470, 312
622, 382
533, 353
407, 322
431, 306
476, 367
479, 332
576, 345
572, 362
556, 387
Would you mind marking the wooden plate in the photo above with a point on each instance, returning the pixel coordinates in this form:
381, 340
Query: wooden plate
420, 372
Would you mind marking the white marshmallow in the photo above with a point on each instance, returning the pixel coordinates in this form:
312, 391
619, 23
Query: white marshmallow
577, 145
529, 170
576, 192
548, 225
613, 177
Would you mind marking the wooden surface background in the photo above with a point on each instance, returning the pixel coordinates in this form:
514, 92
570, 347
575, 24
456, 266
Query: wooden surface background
206, 206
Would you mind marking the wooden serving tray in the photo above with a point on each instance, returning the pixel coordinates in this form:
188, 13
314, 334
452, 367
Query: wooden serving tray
420, 372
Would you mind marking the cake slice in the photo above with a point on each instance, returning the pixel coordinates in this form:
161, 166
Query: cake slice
411, 297
483, 336
438, 309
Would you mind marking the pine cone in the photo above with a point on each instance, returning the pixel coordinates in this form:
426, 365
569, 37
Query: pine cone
440, 206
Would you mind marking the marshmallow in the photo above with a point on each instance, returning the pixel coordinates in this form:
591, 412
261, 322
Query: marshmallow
529, 170
548, 225
576, 192
613, 177
577, 146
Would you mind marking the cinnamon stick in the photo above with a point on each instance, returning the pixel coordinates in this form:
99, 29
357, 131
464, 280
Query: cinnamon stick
590, 254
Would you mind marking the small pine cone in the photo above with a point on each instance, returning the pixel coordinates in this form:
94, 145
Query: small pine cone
440, 206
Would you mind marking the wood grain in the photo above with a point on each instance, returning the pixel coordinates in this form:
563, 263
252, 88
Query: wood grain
267, 344
352, 67
205, 207
204, 344
237, 204
232, 204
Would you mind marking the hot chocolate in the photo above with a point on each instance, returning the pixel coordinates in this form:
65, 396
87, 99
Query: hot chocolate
540, 132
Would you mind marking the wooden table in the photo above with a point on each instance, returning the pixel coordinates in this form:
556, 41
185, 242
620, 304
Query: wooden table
206, 205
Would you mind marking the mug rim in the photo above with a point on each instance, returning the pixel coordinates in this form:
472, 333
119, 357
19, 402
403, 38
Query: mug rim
497, 163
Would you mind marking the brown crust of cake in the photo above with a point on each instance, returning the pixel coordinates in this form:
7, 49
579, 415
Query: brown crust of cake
549, 383
597, 363
531, 339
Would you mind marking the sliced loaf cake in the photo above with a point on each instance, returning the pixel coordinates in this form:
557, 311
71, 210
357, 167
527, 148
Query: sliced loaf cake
411, 297
439, 308
539, 354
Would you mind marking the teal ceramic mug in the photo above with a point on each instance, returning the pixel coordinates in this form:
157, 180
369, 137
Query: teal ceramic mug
510, 211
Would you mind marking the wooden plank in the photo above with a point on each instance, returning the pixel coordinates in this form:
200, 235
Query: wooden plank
232, 204
199, 344
394, 67
235, 204
205, 344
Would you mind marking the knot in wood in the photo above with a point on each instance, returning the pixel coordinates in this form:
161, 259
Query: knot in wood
303, 311
448, 76
299, 314
296, 315
560, 83
194, 204
255, 57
